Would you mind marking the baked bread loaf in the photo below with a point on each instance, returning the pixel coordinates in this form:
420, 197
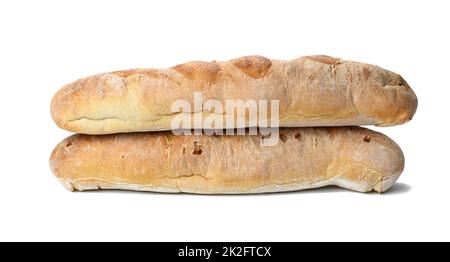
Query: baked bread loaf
350, 157
313, 91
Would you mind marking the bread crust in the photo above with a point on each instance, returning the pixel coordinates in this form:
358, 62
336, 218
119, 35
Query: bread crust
350, 157
313, 91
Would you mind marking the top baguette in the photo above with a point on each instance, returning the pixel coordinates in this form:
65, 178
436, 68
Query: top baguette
312, 91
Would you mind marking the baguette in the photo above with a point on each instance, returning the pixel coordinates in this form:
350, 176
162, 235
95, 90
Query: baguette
350, 157
312, 91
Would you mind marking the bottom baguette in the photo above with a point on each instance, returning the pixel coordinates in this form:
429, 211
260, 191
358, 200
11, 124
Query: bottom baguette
349, 157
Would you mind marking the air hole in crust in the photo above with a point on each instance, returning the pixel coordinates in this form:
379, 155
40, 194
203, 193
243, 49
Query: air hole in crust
367, 139
68, 144
122, 156
197, 149
283, 138
298, 136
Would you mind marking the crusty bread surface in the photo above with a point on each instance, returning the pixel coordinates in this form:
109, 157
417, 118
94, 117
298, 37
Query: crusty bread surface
350, 157
312, 91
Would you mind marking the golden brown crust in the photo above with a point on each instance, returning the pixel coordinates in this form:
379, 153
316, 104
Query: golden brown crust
313, 91
253, 66
350, 157
325, 59
197, 70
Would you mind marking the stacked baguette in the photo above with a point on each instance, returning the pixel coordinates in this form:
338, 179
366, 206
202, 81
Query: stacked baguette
125, 142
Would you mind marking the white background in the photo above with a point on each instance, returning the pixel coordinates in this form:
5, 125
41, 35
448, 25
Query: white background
45, 44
